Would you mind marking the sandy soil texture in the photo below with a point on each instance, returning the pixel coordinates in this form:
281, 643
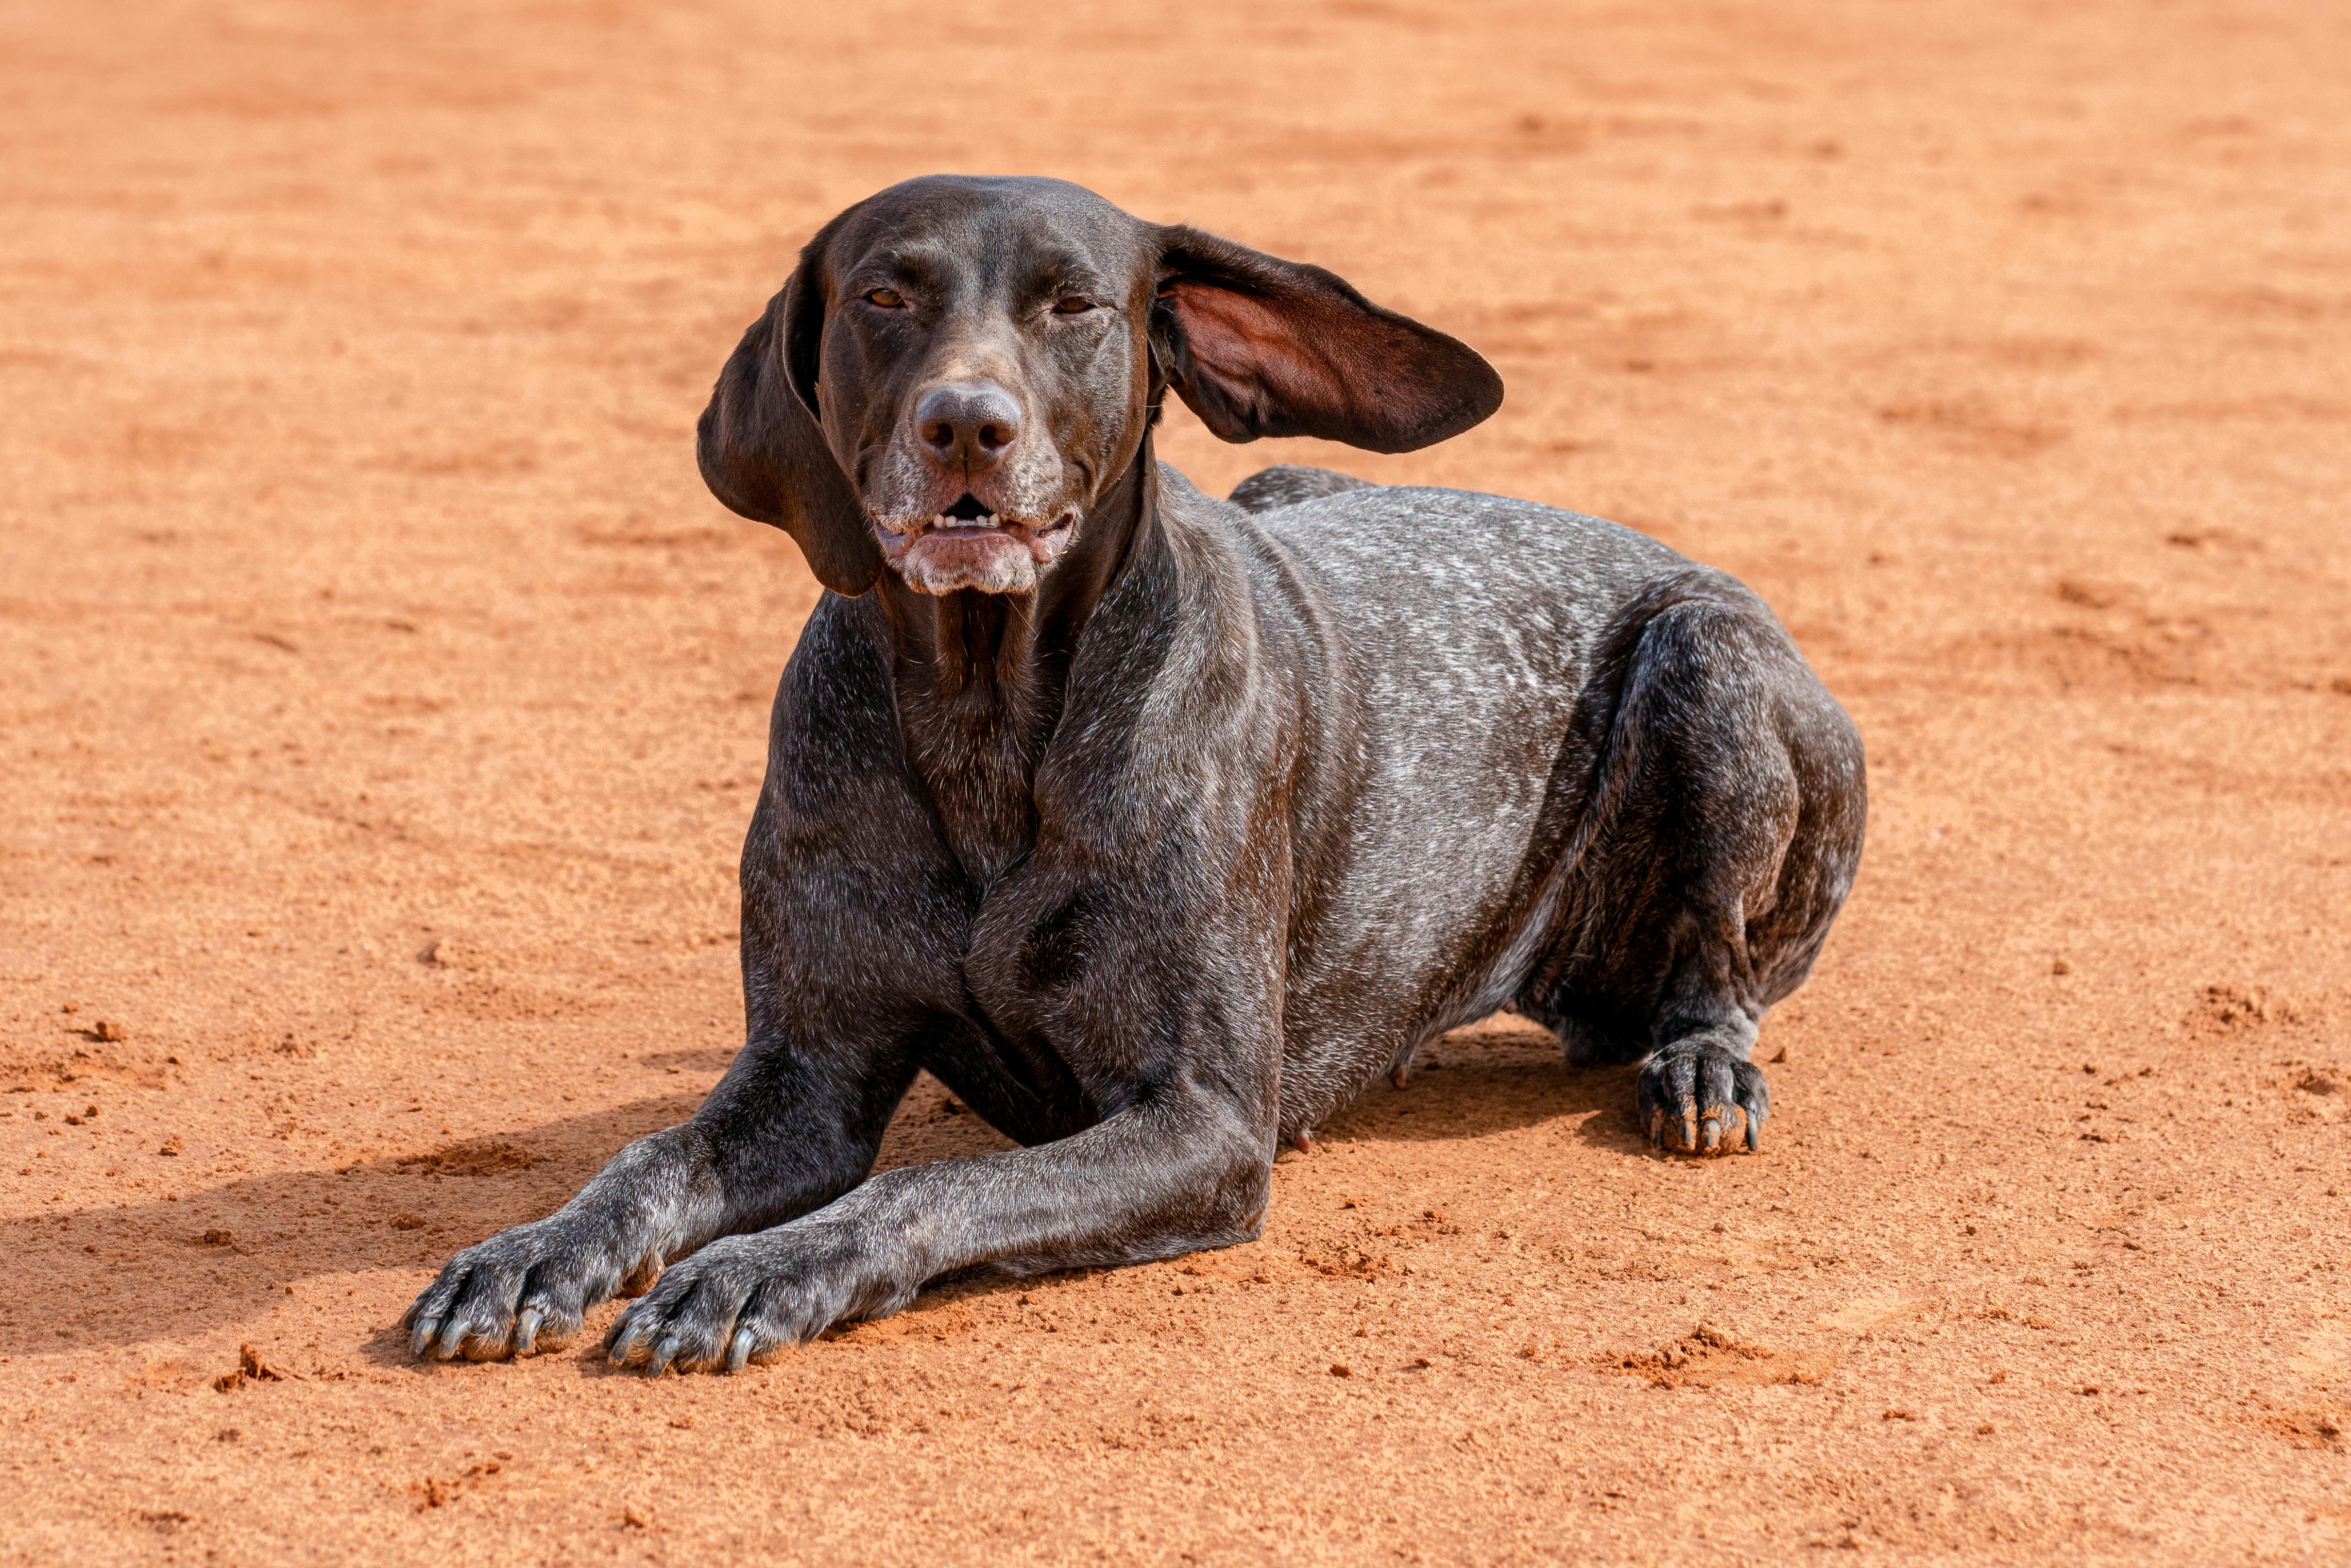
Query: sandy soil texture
384, 699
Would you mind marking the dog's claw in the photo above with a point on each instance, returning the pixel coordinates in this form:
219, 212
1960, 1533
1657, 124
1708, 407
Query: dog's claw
1698, 1098
521, 1292
746, 1298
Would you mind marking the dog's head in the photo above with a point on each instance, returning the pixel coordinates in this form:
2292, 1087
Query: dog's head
960, 368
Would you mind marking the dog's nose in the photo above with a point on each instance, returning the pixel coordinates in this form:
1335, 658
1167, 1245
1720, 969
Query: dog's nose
969, 424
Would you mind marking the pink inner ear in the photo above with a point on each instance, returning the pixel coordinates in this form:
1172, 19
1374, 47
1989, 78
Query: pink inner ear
1264, 354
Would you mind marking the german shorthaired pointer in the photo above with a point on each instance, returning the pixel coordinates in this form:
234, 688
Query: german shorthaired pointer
1158, 826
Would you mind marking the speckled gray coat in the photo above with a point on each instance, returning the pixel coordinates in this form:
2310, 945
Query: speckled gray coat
1156, 825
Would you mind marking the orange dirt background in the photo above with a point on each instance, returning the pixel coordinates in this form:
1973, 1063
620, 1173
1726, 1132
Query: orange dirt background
385, 701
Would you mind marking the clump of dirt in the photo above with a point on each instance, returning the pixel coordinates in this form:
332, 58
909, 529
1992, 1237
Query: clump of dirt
435, 1491
252, 1369
2309, 1428
1346, 1262
443, 953
1710, 1357
2225, 1010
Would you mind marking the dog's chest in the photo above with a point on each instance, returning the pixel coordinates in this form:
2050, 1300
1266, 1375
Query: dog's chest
975, 759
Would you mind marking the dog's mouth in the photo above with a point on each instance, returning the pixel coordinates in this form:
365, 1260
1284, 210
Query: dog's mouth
970, 525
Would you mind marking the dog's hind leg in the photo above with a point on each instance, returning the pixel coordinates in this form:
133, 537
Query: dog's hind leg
1726, 826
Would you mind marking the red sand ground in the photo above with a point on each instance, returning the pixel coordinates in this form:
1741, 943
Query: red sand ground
384, 701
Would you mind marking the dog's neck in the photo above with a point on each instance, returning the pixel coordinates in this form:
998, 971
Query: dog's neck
979, 676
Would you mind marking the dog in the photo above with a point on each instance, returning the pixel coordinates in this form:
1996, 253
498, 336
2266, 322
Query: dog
1156, 826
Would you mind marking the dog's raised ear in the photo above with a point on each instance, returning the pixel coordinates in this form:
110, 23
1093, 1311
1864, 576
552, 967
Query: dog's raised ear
763, 452
1260, 346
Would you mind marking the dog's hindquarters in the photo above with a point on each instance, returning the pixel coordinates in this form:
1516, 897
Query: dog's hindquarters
1598, 784
1722, 832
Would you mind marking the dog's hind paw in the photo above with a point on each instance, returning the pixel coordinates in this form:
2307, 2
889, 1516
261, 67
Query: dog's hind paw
1697, 1098
747, 1298
522, 1291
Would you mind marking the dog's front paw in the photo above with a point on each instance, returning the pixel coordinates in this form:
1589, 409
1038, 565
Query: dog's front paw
1698, 1098
523, 1291
746, 1298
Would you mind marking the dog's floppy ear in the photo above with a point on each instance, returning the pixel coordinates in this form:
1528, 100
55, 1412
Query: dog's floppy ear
1260, 346
763, 452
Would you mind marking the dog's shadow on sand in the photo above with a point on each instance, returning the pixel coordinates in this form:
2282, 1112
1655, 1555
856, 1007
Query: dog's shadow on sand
1496, 1077
157, 1269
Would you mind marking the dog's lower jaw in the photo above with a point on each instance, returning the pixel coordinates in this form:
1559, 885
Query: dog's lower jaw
940, 558
992, 569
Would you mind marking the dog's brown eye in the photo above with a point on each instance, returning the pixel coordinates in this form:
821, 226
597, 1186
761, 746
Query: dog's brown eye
1072, 304
887, 299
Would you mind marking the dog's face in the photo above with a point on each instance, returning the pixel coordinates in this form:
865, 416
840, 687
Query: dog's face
984, 370
961, 368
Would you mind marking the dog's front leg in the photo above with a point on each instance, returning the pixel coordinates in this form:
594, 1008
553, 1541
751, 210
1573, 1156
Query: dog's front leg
1186, 1169
787, 1130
